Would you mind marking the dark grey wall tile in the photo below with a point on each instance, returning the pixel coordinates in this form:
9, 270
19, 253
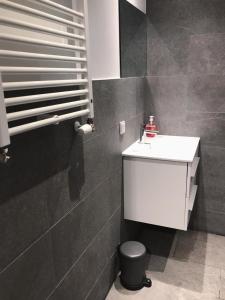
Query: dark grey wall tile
26, 186
206, 54
167, 96
133, 132
22, 219
90, 163
201, 16
211, 179
91, 264
103, 285
170, 27
115, 101
213, 222
157, 240
168, 37
140, 95
187, 37
85, 221
162, 59
31, 276
102, 156
133, 40
68, 186
60, 196
129, 230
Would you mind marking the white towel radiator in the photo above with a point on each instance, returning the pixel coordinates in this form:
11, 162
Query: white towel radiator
42, 45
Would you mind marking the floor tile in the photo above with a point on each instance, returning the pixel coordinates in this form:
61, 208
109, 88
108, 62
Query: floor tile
191, 272
222, 285
159, 291
199, 247
189, 276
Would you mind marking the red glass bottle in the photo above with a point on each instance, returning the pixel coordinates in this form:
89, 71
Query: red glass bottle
150, 128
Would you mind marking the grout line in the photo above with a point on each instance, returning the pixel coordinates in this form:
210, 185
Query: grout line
54, 225
83, 252
117, 79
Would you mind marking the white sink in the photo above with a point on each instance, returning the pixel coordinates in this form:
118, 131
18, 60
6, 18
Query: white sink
165, 147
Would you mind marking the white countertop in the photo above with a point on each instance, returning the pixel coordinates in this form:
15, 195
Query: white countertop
165, 147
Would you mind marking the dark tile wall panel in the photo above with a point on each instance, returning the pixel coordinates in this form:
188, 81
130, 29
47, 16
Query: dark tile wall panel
60, 199
31, 276
185, 90
104, 282
86, 220
91, 264
133, 40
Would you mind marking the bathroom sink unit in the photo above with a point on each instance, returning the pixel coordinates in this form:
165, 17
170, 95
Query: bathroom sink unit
160, 180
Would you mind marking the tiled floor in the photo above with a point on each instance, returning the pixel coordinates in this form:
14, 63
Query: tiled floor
194, 270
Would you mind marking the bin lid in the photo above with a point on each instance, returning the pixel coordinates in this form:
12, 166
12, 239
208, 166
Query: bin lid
132, 249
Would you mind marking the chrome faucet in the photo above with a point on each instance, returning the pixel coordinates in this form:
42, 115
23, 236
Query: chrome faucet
142, 129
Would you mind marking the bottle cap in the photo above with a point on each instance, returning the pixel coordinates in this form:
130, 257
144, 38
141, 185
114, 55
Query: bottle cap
151, 119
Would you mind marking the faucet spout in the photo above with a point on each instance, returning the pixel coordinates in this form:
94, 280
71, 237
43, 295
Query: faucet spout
142, 129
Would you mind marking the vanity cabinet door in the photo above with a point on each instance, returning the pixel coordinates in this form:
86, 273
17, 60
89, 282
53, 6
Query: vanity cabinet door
155, 192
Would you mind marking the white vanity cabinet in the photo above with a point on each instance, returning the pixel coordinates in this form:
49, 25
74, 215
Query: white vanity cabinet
160, 180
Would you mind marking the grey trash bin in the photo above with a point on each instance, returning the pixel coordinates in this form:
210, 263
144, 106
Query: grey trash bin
133, 262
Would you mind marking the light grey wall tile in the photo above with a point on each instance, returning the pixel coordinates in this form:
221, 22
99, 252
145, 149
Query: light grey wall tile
206, 93
206, 54
209, 126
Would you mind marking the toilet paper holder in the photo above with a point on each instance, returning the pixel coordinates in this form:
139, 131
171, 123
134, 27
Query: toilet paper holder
86, 128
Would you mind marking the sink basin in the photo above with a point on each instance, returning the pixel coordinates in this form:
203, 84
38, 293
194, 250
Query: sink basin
165, 147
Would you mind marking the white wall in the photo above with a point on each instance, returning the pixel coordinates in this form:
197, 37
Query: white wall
104, 48
140, 4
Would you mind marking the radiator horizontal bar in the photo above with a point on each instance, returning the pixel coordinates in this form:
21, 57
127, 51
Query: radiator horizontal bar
19, 54
4, 69
39, 13
62, 8
12, 37
23, 114
43, 97
21, 85
53, 120
48, 30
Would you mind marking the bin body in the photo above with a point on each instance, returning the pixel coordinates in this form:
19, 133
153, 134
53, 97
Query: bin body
133, 262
